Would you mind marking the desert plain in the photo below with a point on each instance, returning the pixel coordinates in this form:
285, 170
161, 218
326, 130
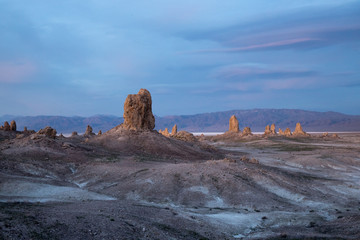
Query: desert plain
135, 183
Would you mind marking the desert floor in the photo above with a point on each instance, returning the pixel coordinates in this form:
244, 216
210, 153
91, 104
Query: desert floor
75, 188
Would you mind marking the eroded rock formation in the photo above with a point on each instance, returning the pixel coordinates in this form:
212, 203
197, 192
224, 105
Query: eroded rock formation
281, 132
185, 136
100, 132
138, 111
287, 132
233, 124
89, 131
273, 129
165, 132
74, 134
299, 131
267, 130
6, 126
13, 125
48, 132
270, 130
174, 130
246, 131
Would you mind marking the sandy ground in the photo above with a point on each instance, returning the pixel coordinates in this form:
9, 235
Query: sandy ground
145, 186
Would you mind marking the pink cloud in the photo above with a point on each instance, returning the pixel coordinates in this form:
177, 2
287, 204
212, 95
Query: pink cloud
15, 72
260, 46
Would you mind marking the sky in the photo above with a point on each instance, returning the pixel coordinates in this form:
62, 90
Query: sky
83, 57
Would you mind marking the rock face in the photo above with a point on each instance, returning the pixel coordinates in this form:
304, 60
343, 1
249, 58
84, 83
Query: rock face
174, 130
6, 126
246, 131
287, 132
138, 111
233, 124
48, 132
89, 131
299, 131
13, 125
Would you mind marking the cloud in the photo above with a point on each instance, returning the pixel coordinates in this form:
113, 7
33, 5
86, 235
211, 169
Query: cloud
263, 46
15, 72
304, 28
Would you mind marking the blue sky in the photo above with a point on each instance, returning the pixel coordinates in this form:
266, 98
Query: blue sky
82, 57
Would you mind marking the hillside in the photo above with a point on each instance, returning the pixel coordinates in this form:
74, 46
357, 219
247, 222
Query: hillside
257, 119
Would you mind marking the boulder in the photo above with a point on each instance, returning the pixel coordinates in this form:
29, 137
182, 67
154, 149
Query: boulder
48, 132
299, 131
246, 131
100, 132
6, 126
233, 124
89, 131
174, 130
13, 125
138, 111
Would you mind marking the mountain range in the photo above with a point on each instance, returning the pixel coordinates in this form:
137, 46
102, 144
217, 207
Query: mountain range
256, 119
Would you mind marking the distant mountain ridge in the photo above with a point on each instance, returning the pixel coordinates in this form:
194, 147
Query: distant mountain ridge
256, 119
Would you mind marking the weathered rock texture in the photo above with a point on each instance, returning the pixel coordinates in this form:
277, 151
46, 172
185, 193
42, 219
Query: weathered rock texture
299, 131
174, 130
48, 132
13, 125
138, 111
246, 131
89, 131
6, 126
233, 124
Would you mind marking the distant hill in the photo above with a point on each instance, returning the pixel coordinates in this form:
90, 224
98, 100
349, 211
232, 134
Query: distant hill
256, 119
